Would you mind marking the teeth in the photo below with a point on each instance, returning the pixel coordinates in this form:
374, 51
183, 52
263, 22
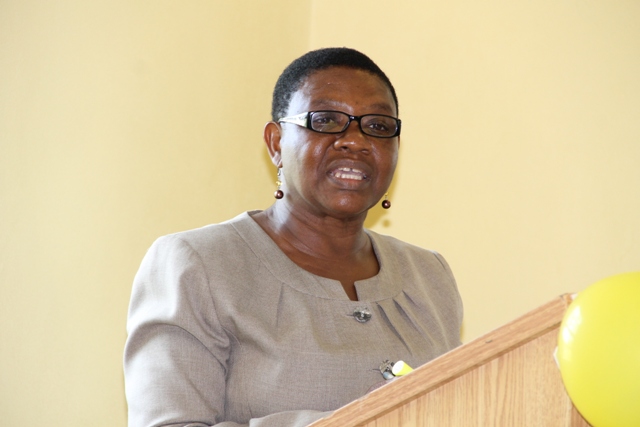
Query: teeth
349, 173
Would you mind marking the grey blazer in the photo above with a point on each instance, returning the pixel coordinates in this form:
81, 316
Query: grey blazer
224, 329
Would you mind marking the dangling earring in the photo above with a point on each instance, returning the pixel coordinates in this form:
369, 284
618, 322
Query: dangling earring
386, 204
279, 194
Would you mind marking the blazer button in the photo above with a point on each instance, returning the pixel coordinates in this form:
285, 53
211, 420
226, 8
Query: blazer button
362, 315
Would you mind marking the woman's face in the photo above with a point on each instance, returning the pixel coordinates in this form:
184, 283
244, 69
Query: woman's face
339, 175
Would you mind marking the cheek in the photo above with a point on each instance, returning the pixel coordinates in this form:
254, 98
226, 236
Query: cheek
290, 150
302, 164
389, 159
304, 154
299, 158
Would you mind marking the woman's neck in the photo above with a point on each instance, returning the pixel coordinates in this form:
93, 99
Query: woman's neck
322, 237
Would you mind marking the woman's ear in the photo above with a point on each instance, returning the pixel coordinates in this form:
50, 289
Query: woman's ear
272, 135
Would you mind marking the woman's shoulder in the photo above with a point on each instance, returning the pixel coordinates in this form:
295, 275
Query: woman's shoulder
394, 245
409, 256
223, 237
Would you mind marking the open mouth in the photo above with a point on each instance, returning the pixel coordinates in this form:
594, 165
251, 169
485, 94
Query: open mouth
350, 173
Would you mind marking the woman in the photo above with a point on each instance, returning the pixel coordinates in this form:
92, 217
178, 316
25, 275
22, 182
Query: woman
276, 317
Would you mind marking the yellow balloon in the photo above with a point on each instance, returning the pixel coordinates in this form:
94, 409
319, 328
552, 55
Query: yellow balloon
599, 352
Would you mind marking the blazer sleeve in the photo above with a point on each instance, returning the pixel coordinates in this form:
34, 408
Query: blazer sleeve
177, 352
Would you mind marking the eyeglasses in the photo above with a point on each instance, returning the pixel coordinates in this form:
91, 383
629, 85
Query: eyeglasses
377, 125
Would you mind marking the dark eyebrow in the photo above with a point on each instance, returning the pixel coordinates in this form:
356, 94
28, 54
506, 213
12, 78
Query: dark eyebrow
386, 107
330, 104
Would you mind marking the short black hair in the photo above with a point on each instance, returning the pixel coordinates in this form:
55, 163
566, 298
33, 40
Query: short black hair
294, 75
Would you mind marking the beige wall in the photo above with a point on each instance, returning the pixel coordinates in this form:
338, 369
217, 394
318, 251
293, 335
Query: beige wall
119, 121
519, 156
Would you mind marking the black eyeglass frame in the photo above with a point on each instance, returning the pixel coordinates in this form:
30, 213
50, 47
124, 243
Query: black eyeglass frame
304, 120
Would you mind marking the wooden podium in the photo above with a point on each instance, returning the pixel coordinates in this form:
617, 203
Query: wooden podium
507, 378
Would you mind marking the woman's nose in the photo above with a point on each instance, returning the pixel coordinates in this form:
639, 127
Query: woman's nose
353, 138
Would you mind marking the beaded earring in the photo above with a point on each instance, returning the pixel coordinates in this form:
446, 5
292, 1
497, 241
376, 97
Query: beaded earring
279, 194
386, 204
